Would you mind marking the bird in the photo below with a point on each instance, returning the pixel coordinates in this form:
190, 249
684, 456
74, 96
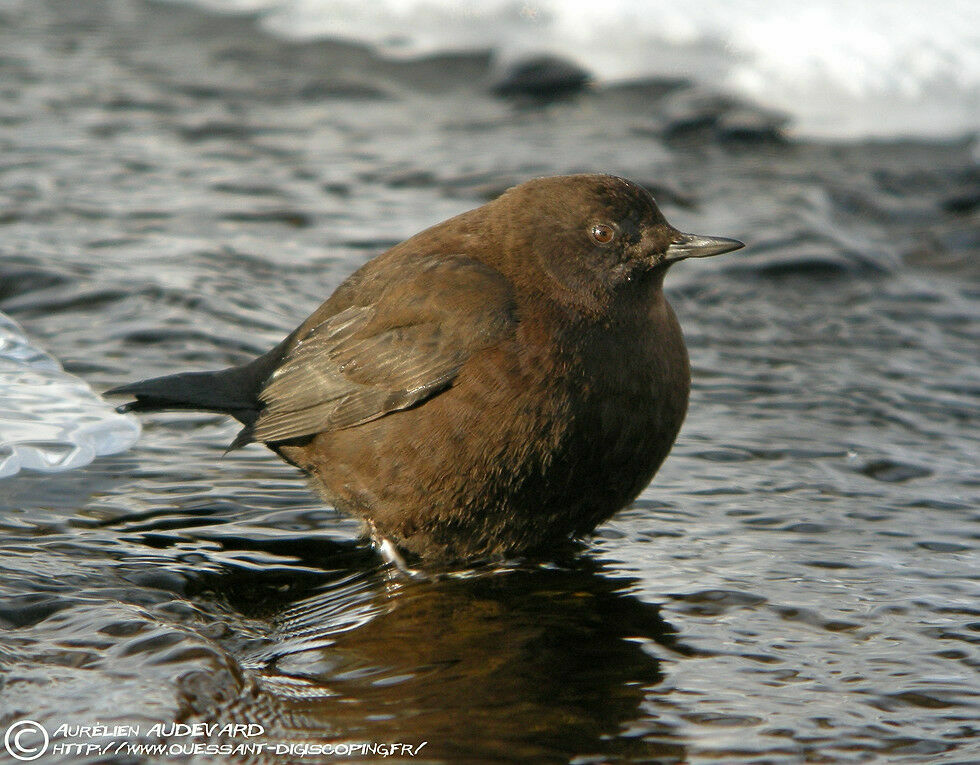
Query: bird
489, 388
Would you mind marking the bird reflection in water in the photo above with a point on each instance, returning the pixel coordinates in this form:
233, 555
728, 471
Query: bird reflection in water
518, 663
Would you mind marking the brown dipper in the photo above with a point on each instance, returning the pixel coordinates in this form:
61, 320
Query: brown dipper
500, 382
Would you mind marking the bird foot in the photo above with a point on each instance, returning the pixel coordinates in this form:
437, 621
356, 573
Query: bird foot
389, 553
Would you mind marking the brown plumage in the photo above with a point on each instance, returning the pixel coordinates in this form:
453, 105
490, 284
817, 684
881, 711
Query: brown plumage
499, 382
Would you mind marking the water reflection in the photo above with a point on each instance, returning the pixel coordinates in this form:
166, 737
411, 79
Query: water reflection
522, 664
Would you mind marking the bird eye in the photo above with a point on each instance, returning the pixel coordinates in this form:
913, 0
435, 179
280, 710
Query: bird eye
602, 233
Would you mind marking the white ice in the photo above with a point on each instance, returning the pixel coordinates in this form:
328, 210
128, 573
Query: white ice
51, 420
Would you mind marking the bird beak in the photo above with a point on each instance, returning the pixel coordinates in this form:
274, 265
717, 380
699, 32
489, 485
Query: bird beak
694, 246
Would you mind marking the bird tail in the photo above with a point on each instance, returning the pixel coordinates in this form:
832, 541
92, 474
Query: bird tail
233, 391
225, 391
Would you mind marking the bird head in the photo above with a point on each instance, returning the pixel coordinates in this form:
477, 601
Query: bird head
581, 237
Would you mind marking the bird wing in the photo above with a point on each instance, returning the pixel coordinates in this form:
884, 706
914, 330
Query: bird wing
392, 353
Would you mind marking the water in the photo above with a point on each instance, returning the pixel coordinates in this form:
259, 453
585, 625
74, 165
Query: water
178, 190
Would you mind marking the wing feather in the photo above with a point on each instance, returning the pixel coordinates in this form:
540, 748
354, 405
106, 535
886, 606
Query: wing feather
370, 360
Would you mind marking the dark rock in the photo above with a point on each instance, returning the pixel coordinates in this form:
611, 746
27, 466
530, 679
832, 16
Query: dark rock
543, 77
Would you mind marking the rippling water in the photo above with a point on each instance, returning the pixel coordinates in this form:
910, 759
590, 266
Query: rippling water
800, 583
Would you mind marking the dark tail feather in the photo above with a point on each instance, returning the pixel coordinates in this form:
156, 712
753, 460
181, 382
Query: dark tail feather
221, 391
228, 391
243, 438
234, 391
